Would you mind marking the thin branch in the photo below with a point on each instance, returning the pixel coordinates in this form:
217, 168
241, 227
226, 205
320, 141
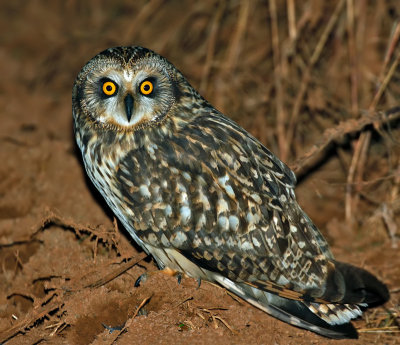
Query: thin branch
212, 40
234, 47
117, 272
360, 153
280, 113
130, 320
307, 74
291, 10
337, 134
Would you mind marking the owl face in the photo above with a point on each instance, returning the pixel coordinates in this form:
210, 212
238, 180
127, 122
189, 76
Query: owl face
126, 90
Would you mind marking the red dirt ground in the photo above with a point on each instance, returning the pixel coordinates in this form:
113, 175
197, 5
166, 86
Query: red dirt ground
63, 258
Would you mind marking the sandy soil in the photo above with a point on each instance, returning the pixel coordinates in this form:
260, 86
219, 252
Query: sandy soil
67, 268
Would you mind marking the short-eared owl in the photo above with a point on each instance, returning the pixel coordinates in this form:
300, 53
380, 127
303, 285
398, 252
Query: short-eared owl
207, 199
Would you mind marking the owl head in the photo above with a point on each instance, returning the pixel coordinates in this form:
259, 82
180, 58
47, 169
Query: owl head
126, 88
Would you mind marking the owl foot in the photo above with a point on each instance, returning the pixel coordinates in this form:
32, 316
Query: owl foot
142, 278
112, 329
168, 271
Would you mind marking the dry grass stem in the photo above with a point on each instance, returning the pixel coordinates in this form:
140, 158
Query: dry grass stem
280, 112
307, 73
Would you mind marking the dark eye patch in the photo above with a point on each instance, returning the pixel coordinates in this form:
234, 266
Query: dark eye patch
155, 89
100, 89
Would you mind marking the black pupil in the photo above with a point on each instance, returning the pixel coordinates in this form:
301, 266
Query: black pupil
146, 87
109, 88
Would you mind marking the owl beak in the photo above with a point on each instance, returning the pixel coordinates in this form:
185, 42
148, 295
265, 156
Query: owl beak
128, 106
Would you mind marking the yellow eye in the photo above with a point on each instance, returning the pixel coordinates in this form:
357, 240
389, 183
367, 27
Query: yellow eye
109, 88
146, 88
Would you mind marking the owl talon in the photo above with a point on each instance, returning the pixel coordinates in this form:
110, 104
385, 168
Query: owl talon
169, 272
142, 278
198, 283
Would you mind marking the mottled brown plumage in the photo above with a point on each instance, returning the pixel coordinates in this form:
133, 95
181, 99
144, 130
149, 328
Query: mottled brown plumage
204, 197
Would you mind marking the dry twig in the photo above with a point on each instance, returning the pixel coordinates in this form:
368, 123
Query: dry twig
337, 134
130, 320
307, 74
51, 306
360, 153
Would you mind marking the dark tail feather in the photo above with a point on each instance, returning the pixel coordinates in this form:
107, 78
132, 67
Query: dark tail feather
300, 315
354, 285
346, 289
293, 312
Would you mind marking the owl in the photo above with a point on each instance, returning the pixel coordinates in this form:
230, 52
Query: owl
205, 198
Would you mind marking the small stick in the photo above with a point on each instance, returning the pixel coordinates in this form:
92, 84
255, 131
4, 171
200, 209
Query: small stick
140, 306
129, 322
280, 113
337, 134
116, 273
307, 74
359, 155
387, 216
349, 184
234, 47
352, 58
212, 40
291, 10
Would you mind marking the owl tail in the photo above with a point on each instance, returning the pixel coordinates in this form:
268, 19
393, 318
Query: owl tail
350, 284
331, 320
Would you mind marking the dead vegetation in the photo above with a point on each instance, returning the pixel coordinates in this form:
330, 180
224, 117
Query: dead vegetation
316, 81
